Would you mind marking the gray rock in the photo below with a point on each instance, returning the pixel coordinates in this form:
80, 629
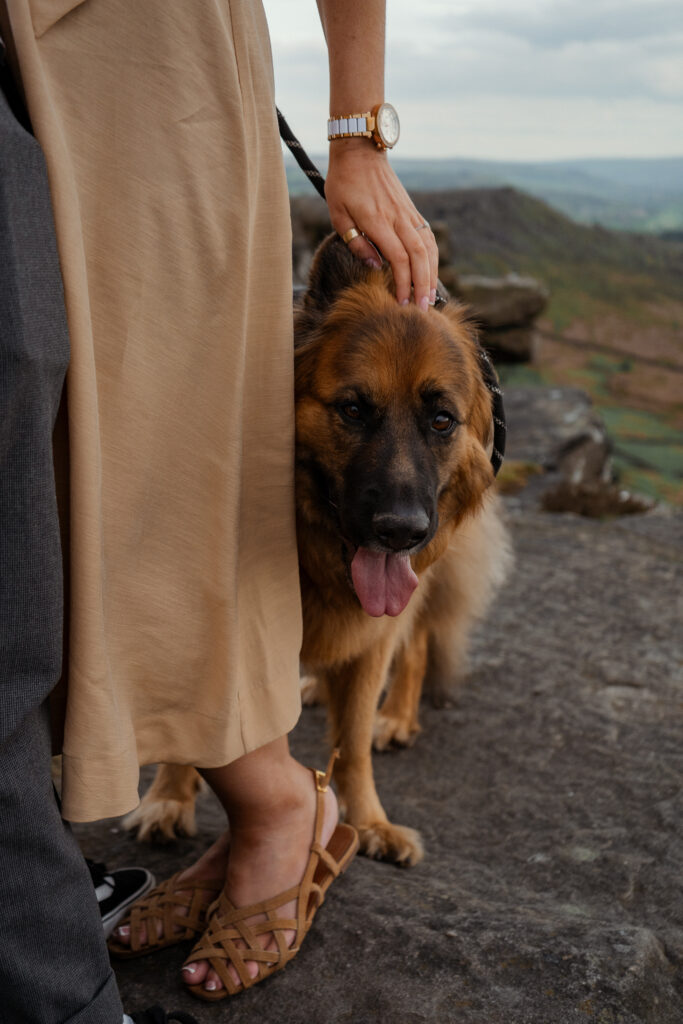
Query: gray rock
512, 344
559, 429
550, 801
509, 301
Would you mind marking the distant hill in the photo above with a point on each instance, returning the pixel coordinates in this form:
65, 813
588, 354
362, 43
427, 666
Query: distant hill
628, 194
493, 230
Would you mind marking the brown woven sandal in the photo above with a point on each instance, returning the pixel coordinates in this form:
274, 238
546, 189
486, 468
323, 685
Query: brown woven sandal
162, 905
228, 924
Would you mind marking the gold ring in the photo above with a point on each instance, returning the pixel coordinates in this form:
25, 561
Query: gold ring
424, 224
351, 233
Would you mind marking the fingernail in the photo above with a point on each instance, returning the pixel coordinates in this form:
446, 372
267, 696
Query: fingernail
211, 986
424, 303
432, 297
189, 968
405, 302
373, 263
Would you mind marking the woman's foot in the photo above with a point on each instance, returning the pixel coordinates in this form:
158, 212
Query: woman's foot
211, 866
268, 855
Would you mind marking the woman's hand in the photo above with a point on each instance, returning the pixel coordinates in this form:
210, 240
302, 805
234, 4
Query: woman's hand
363, 192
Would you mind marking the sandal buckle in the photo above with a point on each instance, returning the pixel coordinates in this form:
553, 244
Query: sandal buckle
321, 781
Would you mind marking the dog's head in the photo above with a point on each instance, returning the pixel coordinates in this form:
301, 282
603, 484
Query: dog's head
392, 422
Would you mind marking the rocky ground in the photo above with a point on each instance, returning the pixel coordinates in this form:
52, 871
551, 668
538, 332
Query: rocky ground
550, 799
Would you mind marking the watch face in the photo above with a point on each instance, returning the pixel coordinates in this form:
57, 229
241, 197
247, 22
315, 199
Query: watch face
387, 125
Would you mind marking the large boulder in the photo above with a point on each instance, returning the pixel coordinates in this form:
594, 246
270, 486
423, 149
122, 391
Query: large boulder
509, 301
512, 344
505, 310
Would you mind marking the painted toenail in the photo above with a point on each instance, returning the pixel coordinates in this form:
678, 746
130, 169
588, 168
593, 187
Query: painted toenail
211, 986
123, 930
190, 968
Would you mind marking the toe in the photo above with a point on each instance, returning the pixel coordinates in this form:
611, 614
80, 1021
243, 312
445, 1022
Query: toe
213, 983
251, 966
122, 934
195, 973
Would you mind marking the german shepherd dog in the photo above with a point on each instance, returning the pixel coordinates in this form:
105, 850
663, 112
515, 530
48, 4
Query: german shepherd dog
400, 543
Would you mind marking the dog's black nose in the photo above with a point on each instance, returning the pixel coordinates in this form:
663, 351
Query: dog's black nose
400, 531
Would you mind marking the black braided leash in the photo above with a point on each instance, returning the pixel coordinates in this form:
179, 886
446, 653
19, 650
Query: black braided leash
498, 410
299, 153
488, 373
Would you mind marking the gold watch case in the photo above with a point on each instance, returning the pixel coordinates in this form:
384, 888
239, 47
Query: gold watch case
387, 126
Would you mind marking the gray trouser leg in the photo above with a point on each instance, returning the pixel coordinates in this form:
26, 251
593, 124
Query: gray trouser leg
34, 353
54, 967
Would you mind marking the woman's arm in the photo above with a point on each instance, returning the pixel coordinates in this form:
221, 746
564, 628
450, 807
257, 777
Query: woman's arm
362, 190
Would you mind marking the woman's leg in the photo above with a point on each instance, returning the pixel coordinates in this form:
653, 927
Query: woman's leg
270, 802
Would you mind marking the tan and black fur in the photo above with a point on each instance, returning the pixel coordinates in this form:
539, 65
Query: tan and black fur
393, 421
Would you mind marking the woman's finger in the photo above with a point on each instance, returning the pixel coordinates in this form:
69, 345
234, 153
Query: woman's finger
433, 254
418, 245
403, 247
358, 243
396, 254
432, 251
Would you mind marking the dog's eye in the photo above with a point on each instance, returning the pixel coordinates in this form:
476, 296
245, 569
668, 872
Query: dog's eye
443, 423
351, 411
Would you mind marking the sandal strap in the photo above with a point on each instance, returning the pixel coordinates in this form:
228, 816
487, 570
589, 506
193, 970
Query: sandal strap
322, 779
162, 904
218, 946
227, 925
328, 860
322, 782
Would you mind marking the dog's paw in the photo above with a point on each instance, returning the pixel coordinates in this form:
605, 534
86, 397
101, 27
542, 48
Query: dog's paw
312, 691
384, 841
389, 731
162, 820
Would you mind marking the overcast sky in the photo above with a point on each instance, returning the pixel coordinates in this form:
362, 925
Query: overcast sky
505, 79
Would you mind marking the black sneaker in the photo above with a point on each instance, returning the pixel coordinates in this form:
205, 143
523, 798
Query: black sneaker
157, 1015
116, 890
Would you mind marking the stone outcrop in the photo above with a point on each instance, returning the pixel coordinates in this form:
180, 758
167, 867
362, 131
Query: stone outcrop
558, 455
505, 308
560, 430
509, 301
550, 801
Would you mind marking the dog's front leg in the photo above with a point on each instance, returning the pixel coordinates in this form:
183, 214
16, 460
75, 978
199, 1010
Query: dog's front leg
353, 691
396, 721
168, 806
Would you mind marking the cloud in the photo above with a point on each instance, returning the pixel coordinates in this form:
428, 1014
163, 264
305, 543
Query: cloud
555, 24
589, 76
486, 64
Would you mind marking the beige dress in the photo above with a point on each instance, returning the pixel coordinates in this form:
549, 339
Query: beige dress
157, 119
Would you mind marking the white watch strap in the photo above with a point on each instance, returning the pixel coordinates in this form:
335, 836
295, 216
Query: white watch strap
354, 124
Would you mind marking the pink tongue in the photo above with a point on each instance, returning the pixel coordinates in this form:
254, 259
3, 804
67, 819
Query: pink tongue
383, 582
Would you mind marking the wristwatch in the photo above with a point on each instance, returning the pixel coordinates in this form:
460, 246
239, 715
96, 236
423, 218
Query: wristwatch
381, 124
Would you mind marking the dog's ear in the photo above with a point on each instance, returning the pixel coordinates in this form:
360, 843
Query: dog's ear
334, 269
